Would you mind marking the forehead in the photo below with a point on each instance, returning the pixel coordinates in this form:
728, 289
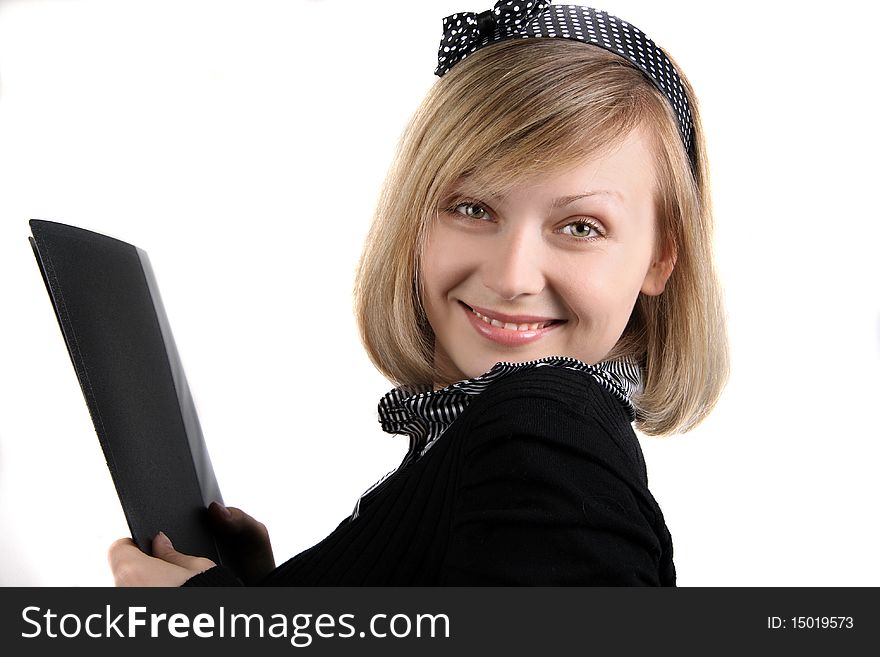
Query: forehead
624, 169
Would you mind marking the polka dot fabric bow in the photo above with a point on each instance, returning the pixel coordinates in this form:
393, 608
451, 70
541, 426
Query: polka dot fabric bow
466, 32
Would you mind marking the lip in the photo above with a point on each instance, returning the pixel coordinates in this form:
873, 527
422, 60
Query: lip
512, 319
508, 337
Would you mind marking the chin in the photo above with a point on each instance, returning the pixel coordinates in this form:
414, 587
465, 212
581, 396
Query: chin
474, 367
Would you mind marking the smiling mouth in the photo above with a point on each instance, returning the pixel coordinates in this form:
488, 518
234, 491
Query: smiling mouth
512, 326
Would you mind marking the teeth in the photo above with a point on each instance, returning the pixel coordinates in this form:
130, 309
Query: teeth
509, 326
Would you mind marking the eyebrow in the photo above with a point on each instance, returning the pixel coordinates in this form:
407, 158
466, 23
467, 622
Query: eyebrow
562, 201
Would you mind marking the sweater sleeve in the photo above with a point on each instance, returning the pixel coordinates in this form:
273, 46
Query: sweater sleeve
216, 576
546, 497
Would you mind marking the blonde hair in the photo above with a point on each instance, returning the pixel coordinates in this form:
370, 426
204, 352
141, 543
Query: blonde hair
530, 107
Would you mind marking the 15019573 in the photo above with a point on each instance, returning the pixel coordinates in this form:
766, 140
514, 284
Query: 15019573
810, 623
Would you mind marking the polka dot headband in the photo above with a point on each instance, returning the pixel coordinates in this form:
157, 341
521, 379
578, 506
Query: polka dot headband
466, 32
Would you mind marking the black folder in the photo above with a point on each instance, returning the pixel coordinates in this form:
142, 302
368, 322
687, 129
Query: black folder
107, 303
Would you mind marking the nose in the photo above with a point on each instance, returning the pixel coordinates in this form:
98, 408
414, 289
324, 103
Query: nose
513, 264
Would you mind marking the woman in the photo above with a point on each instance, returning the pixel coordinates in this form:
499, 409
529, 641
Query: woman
538, 276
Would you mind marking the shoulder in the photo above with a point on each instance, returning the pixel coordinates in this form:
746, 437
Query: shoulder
552, 386
547, 491
558, 409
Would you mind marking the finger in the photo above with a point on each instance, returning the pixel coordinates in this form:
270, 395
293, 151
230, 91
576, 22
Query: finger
231, 520
219, 512
119, 544
244, 541
163, 549
237, 528
119, 551
128, 563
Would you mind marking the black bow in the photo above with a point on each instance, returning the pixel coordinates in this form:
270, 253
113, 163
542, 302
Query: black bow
463, 32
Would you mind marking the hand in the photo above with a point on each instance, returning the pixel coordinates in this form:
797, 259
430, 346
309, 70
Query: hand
244, 542
168, 567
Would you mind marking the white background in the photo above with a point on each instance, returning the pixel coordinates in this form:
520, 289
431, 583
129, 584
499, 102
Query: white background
242, 145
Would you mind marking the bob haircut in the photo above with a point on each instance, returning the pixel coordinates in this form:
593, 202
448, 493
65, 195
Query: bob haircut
532, 107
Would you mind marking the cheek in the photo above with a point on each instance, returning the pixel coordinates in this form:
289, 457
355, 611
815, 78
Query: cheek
603, 292
446, 262
434, 272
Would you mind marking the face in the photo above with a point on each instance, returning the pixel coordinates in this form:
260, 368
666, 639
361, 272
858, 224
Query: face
552, 268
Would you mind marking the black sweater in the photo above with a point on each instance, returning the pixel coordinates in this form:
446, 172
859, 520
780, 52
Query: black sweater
540, 481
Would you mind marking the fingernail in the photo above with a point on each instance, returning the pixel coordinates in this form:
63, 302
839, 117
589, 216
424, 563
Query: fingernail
223, 510
163, 538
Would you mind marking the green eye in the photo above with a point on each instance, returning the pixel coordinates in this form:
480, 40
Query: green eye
472, 210
580, 229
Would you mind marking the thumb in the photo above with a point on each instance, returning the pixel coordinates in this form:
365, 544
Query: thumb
230, 520
163, 549
244, 541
